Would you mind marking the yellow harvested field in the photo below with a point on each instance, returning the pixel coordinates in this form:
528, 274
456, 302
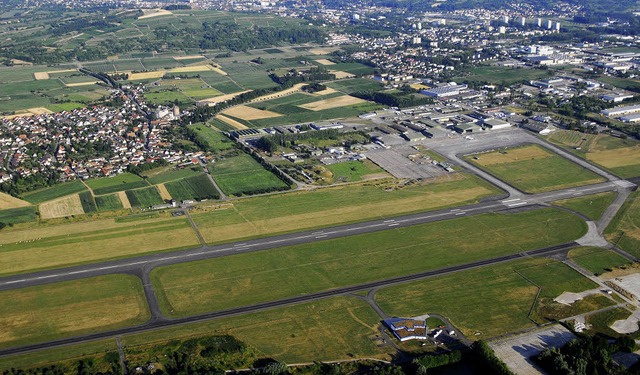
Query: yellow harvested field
149, 13
178, 58
40, 76
7, 201
217, 69
419, 86
62, 71
325, 62
324, 92
323, 51
80, 84
512, 155
426, 201
221, 98
146, 75
39, 110
61, 207
619, 157
21, 62
340, 74
232, 122
340, 101
248, 113
164, 193
191, 69
123, 198
51, 311
295, 88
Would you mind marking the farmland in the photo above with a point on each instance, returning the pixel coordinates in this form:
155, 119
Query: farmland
195, 188
241, 174
624, 230
166, 174
108, 202
108, 185
215, 140
481, 310
18, 215
244, 279
145, 197
533, 169
592, 206
8, 201
70, 308
53, 192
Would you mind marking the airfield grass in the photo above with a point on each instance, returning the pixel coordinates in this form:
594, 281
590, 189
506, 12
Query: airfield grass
600, 322
144, 197
300, 210
591, 206
484, 302
108, 185
51, 246
196, 187
58, 310
216, 141
53, 192
18, 215
624, 229
166, 174
108, 202
328, 329
597, 260
620, 156
533, 169
351, 171
238, 175
244, 279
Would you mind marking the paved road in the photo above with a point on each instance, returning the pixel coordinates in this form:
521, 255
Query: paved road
163, 322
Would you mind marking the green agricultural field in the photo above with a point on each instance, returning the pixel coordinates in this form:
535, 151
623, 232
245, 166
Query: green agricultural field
503, 75
622, 83
592, 206
598, 260
51, 246
291, 334
624, 230
108, 185
242, 175
248, 76
160, 97
619, 156
18, 215
280, 213
356, 84
166, 174
145, 197
88, 203
353, 68
215, 140
108, 202
353, 170
53, 192
20, 73
533, 169
244, 279
160, 63
53, 311
483, 302
196, 187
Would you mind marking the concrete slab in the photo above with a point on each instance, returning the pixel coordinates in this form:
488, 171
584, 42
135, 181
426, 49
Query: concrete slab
567, 298
517, 351
630, 283
625, 326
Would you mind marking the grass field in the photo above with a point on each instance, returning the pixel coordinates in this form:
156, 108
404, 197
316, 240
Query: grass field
620, 156
215, 140
166, 174
240, 175
624, 230
299, 210
18, 215
503, 75
483, 302
53, 192
597, 260
108, 202
356, 84
51, 246
145, 197
244, 279
195, 187
108, 185
325, 330
353, 170
533, 169
592, 206
54, 311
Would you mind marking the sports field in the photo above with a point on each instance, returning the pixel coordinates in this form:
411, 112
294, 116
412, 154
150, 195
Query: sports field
624, 230
620, 156
244, 279
484, 302
242, 175
533, 169
300, 210
592, 206
597, 260
65, 309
